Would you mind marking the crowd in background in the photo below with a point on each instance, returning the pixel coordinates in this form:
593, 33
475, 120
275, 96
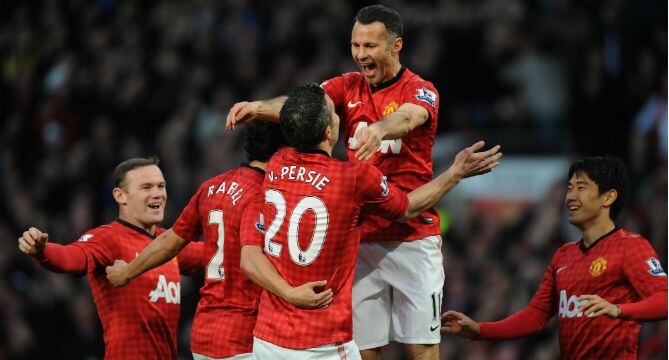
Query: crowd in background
87, 84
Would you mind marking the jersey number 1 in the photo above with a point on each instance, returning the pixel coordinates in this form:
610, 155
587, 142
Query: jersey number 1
215, 269
308, 203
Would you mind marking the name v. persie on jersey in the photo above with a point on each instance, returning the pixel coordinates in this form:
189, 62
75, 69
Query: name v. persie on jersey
300, 173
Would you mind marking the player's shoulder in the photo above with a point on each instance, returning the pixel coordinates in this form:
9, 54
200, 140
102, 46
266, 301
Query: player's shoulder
348, 78
99, 233
627, 238
567, 249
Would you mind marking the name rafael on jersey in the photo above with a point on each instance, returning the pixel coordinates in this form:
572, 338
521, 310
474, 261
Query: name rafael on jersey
313, 178
232, 191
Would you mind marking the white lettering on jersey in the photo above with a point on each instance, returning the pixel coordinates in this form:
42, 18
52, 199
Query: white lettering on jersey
299, 173
655, 267
85, 237
568, 308
223, 188
393, 145
425, 95
168, 290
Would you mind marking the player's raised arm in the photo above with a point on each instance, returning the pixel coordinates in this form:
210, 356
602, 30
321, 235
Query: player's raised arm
166, 246
53, 257
467, 163
245, 111
394, 126
259, 269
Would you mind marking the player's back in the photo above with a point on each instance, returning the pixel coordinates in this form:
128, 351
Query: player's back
311, 218
223, 209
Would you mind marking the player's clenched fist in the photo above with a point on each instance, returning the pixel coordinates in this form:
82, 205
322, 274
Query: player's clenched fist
33, 240
116, 273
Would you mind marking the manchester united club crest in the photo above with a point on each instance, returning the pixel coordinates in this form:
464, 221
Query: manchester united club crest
598, 267
390, 108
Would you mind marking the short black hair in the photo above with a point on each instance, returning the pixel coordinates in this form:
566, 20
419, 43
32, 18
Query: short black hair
389, 17
304, 117
608, 173
131, 164
262, 140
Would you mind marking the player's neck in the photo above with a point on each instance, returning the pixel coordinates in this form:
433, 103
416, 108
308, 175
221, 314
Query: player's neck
259, 164
325, 146
394, 70
597, 230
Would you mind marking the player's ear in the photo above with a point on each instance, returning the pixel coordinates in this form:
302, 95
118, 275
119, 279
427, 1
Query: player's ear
397, 45
328, 133
119, 196
610, 197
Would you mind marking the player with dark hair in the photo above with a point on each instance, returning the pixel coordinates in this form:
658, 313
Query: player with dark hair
139, 321
314, 204
601, 287
389, 115
225, 209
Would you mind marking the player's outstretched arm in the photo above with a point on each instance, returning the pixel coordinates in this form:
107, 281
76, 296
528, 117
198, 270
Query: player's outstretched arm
245, 111
53, 257
159, 251
459, 324
261, 271
393, 126
468, 162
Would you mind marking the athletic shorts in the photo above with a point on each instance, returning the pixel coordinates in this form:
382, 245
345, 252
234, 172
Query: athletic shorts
397, 292
263, 350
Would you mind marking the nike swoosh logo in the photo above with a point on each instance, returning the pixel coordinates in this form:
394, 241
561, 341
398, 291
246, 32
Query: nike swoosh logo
433, 328
560, 269
352, 104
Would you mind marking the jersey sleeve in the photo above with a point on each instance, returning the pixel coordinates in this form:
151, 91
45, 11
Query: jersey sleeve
529, 320
336, 90
424, 94
63, 259
643, 269
96, 245
188, 226
191, 258
377, 194
252, 227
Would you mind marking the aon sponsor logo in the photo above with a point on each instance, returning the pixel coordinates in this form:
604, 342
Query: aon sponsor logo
568, 307
168, 290
393, 146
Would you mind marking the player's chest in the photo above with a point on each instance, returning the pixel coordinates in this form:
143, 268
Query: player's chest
588, 273
363, 108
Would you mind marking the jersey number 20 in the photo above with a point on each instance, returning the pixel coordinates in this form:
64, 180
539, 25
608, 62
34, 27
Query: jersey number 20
307, 203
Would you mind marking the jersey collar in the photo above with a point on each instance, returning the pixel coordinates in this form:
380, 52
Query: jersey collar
314, 151
584, 249
247, 165
136, 228
389, 82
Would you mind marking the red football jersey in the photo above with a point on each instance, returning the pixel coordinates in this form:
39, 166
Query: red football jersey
407, 162
139, 320
621, 267
312, 233
224, 211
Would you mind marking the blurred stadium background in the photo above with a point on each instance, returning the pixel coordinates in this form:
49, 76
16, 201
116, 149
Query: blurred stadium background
86, 84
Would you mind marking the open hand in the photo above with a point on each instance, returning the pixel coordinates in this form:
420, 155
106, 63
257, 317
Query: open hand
593, 306
306, 297
241, 113
470, 162
459, 324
